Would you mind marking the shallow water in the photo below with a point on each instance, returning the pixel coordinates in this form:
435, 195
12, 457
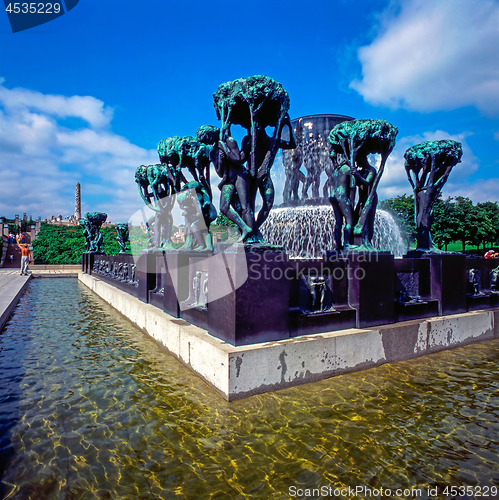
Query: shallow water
90, 408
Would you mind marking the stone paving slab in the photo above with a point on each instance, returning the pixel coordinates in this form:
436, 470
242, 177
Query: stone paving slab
12, 286
43, 273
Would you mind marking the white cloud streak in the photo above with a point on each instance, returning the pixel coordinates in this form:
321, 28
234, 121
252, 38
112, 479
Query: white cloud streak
41, 160
431, 56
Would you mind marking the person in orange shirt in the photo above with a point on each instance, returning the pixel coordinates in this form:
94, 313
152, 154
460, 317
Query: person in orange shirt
25, 254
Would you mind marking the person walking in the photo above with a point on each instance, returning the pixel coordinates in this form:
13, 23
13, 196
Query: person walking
25, 254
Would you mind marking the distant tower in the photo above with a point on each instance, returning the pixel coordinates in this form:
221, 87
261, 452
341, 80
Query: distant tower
78, 202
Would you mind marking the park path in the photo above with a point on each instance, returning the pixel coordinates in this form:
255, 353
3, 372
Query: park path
12, 286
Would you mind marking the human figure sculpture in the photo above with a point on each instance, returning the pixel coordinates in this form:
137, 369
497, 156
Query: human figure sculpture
122, 235
205, 291
261, 180
199, 213
494, 280
318, 291
365, 176
353, 141
292, 160
235, 183
312, 166
196, 287
342, 199
256, 103
474, 281
95, 221
86, 233
157, 188
428, 166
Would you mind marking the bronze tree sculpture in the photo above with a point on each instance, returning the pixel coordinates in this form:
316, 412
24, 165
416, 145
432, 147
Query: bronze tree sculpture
428, 166
355, 180
156, 187
255, 103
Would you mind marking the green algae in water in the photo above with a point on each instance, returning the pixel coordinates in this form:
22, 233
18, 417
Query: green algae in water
93, 409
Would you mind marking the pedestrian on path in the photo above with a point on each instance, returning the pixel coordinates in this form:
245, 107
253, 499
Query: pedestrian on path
25, 253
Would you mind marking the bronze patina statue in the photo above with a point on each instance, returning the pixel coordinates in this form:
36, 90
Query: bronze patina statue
122, 235
199, 213
157, 187
256, 103
355, 180
235, 184
92, 223
428, 166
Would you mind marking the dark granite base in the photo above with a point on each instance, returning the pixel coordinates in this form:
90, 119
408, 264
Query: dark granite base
246, 294
257, 310
302, 323
477, 302
371, 287
405, 311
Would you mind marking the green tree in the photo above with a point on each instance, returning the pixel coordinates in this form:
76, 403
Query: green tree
467, 228
66, 244
490, 232
444, 223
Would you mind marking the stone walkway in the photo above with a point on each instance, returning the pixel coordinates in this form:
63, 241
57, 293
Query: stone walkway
43, 273
12, 286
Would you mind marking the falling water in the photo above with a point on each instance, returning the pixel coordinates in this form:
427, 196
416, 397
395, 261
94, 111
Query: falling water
308, 231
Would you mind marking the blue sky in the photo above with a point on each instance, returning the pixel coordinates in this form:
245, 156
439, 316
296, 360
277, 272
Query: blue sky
88, 96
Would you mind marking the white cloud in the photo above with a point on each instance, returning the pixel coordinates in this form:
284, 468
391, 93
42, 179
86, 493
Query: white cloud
431, 56
41, 160
87, 108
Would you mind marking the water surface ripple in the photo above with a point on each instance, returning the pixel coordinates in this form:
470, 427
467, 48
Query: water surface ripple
90, 408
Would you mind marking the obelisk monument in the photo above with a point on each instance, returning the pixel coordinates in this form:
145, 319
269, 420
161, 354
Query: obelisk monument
78, 202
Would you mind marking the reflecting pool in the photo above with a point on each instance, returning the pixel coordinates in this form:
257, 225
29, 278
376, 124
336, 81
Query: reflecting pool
91, 408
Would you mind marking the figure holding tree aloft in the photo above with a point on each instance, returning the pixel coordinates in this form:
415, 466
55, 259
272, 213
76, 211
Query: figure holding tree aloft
354, 179
428, 166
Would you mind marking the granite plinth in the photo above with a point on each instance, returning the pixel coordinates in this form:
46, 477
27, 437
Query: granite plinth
371, 287
194, 304
256, 309
448, 282
146, 273
319, 296
413, 290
